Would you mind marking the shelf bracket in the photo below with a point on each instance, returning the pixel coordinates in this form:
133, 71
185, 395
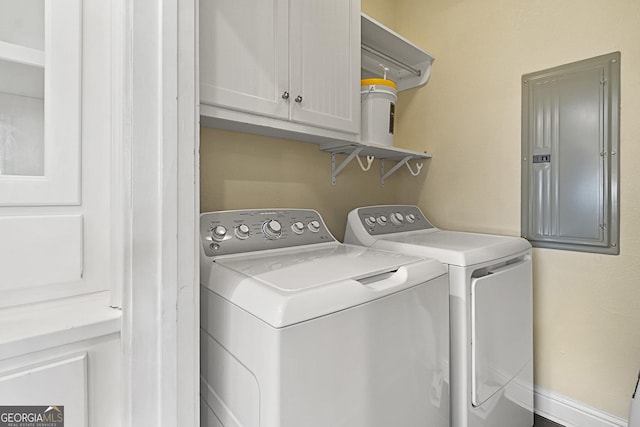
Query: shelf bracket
336, 170
397, 166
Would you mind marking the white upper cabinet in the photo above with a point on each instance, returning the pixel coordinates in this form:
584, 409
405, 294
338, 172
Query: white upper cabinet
281, 67
40, 78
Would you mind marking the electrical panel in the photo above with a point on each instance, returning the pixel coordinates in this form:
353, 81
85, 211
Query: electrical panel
570, 157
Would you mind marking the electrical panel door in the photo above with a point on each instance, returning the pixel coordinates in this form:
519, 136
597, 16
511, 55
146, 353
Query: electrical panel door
570, 132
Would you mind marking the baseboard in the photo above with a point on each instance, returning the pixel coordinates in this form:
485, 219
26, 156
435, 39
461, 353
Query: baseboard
570, 413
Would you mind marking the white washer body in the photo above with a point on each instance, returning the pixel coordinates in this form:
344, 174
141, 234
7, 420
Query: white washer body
634, 413
300, 330
491, 316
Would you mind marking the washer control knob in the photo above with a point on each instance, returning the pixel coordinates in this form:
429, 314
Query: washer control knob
272, 229
218, 233
314, 226
297, 227
242, 231
397, 218
411, 218
382, 220
370, 221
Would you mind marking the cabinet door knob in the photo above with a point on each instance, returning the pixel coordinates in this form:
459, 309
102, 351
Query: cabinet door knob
285, 95
298, 99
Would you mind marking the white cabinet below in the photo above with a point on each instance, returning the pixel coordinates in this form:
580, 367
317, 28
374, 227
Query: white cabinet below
65, 353
281, 68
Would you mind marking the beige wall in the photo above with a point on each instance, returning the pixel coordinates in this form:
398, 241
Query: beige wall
248, 171
587, 307
383, 11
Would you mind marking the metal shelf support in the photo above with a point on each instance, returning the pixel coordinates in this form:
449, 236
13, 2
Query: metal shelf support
404, 161
336, 170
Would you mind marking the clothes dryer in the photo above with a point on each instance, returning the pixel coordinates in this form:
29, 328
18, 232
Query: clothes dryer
491, 316
298, 329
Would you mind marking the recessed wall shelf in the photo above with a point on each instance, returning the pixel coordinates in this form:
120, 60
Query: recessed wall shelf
371, 152
409, 66
21, 54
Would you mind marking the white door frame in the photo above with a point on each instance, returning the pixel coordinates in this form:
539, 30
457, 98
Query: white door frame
160, 297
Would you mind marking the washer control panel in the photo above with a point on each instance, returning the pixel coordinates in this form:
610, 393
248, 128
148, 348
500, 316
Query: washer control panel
392, 219
230, 232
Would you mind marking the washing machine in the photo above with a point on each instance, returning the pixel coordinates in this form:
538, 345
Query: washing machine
491, 316
634, 413
299, 330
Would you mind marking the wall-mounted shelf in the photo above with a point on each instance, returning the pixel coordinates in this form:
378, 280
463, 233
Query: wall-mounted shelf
370, 151
409, 66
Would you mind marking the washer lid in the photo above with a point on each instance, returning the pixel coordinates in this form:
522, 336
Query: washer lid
453, 247
291, 286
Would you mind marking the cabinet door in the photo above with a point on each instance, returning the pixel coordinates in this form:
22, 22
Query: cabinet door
325, 63
40, 44
55, 149
60, 382
244, 55
40, 77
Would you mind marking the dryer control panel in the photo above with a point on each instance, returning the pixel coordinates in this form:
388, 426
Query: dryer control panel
392, 219
241, 231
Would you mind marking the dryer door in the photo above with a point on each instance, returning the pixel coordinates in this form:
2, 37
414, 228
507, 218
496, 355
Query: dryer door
501, 328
